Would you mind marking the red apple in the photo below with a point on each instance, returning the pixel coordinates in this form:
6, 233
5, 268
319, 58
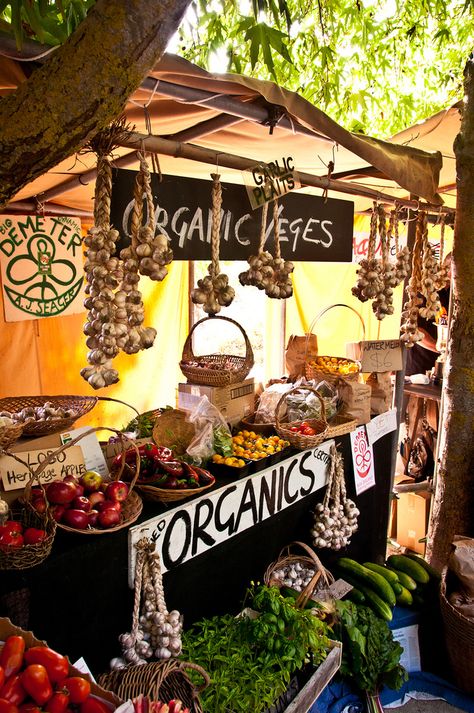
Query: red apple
95, 498
91, 480
39, 504
108, 505
109, 517
59, 493
76, 518
93, 516
34, 535
74, 481
58, 511
81, 503
117, 491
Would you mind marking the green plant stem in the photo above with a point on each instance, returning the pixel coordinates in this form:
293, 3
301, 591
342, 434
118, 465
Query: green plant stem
372, 702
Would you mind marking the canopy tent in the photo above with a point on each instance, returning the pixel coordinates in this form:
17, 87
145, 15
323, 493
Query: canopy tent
224, 114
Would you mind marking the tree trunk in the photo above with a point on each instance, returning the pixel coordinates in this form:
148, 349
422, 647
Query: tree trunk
82, 86
453, 507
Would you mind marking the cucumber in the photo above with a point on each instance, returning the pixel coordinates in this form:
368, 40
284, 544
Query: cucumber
356, 596
376, 603
405, 599
433, 573
397, 588
371, 579
288, 592
405, 580
410, 567
389, 575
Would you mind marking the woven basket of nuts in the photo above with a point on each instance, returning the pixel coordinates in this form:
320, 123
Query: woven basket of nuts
42, 415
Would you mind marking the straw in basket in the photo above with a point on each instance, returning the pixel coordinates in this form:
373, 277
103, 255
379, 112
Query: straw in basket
215, 369
281, 572
29, 555
299, 440
131, 507
9, 434
326, 368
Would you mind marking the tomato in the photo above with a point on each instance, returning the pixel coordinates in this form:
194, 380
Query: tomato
294, 429
77, 687
308, 431
11, 658
58, 703
94, 705
7, 707
2, 676
55, 664
29, 708
36, 682
12, 690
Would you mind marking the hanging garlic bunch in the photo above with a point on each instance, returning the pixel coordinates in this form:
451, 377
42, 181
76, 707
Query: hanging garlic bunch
383, 302
281, 286
442, 274
402, 255
156, 632
152, 252
213, 291
429, 273
103, 272
335, 519
410, 332
370, 280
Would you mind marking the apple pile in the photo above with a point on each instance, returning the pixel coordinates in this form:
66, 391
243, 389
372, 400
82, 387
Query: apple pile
13, 534
85, 502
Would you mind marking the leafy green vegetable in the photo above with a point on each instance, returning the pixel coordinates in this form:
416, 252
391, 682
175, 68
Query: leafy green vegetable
251, 661
222, 441
371, 657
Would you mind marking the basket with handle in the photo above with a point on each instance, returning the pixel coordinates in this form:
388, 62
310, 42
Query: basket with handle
326, 368
459, 637
29, 555
321, 579
215, 369
73, 406
9, 434
131, 507
160, 680
299, 440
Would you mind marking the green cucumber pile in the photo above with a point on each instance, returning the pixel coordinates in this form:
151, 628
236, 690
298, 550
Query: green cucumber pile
403, 580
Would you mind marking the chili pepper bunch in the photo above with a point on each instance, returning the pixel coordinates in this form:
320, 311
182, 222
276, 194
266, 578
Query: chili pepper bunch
37, 680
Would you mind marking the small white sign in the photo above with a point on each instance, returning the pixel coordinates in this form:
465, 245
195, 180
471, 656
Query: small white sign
94, 458
381, 425
407, 637
191, 529
363, 460
267, 181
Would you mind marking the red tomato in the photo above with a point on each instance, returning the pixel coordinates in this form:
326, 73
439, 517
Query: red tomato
294, 429
29, 708
55, 664
2, 676
58, 703
308, 431
11, 658
304, 424
94, 705
12, 690
77, 687
36, 682
7, 707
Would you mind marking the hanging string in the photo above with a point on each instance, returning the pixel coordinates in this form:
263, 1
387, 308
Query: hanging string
276, 228
263, 225
216, 223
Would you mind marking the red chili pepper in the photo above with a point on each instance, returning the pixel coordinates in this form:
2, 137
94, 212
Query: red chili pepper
94, 705
55, 664
11, 658
204, 476
29, 708
77, 687
7, 707
58, 702
173, 467
35, 681
12, 690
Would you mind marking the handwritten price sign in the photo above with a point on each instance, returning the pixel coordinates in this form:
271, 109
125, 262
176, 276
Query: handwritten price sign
377, 354
362, 460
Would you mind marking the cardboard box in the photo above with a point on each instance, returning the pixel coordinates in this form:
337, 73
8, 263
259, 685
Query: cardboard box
234, 402
8, 629
413, 511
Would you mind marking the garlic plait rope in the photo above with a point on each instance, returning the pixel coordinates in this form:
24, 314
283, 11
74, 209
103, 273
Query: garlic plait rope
442, 275
402, 256
383, 302
213, 291
410, 333
281, 286
429, 276
260, 271
370, 280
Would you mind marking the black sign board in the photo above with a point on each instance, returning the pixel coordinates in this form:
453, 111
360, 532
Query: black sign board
311, 228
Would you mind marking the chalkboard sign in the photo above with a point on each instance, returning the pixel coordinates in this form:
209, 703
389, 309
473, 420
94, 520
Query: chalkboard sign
311, 229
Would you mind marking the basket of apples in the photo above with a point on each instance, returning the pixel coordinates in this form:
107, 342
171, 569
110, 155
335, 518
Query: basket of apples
92, 504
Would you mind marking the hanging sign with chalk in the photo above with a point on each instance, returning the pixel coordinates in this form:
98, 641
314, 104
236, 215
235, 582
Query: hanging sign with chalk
267, 181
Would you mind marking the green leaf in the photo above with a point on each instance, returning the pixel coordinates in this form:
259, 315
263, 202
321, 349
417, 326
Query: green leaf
16, 22
34, 19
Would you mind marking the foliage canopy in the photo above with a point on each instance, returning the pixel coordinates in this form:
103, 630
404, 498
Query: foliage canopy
374, 66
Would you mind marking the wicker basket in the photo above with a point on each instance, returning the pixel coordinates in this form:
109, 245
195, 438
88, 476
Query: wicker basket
459, 637
29, 555
162, 680
221, 374
131, 507
265, 429
10, 434
173, 430
79, 404
166, 495
299, 440
339, 425
321, 580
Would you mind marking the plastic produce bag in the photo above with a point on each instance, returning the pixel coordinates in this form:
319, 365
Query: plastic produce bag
212, 432
268, 402
304, 405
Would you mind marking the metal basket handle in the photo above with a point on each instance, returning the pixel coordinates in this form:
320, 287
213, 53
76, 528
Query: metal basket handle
321, 314
188, 347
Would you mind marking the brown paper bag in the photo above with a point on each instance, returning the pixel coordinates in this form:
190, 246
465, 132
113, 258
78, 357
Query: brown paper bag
356, 400
298, 350
461, 562
381, 397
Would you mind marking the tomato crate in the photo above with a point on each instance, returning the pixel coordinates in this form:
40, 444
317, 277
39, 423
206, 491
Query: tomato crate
8, 629
308, 683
